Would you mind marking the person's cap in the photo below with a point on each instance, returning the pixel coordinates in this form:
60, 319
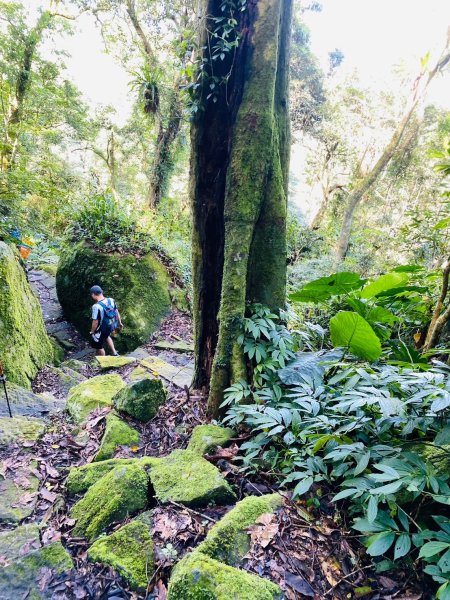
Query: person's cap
96, 289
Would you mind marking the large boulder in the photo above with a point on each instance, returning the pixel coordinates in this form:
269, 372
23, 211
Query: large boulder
24, 344
140, 287
141, 399
97, 392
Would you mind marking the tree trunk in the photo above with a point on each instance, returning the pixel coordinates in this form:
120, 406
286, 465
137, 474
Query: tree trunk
441, 313
239, 171
163, 156
364, 186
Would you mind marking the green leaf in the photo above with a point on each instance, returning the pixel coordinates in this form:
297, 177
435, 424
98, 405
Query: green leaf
372, 509
443, 224
324, 288
380, 543
384, 283
390, 488
432, 548
402, 546
444, 562
303, 486
351, 331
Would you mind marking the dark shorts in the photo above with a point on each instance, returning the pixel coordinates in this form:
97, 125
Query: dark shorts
101, 341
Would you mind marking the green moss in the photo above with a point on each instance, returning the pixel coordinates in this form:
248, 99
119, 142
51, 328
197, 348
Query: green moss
117, 433
20, 429
12, 510
198, 577
74, 364
140, 287
49, 268
67, 378
186, 477
22, 578
80, 479
129, 551
141, 399
207, 437
58, 352
113, 362
13, 542
91, 394
121, 492
228, 541
140, 373
24, 344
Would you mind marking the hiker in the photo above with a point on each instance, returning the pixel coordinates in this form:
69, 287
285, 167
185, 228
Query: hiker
105, 320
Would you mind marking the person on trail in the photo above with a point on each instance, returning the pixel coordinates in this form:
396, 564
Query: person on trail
105, 320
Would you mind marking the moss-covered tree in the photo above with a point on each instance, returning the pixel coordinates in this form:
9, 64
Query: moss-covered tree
239, 166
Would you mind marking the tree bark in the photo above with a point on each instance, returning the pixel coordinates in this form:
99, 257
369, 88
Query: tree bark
364, 186
239, 171
441, 313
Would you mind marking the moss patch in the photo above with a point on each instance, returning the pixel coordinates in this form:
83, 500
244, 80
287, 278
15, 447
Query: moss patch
114, 362
208, 437
198, 577
21, 579
129, 551
26, 403
91, 394
141, 399
117, 433
16, 502
24, 344
186, 477
67, 378
75, 365
228, 541
140, 373
121, 492
20, 429
140, 287
14, 542
80, 479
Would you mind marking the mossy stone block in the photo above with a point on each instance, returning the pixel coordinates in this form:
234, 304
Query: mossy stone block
20, 429
114, 362
14, 543
228, 540
97, 392
188, 478
26, 403
139, 373
24, 344
118, 494
199, 577
141, 399
129, 551
75, 365
16, 502
140, 287
22, 578
66, 377
80, 479
207, 437
117, 433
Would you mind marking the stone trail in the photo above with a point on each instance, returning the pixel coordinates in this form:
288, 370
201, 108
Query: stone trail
111, 490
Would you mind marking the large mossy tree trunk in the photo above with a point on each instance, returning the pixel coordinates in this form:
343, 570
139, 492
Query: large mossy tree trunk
239, 171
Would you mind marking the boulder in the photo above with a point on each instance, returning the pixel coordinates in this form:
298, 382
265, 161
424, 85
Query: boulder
198, 576
118, 494
117, 433
140, 373
229, 540
186, 477
25, 577
141, 399
129, 551
14, 543
140, 287
66, 377
18, 496
97, 392
26, 403
24, 344
20, 429
75, 365
207, 437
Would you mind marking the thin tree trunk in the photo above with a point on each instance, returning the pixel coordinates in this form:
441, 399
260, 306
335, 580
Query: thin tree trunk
441, 314
365, 185
239, 166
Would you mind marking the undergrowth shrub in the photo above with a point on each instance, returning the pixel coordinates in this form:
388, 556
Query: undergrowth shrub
377, 436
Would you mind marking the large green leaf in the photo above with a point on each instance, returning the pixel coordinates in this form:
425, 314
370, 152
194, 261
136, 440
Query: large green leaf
321, 289
384, 283
350, 330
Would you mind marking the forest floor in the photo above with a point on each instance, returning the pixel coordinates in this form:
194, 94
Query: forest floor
306, 548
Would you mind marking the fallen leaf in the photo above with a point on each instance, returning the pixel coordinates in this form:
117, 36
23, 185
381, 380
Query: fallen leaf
48, 495
299, 584
264, 530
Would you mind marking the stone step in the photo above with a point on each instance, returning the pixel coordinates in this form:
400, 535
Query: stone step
179, 376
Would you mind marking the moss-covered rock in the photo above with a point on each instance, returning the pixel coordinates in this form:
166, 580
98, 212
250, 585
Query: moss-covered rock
20, 429
49, 268
114, 362
16, 542
23, 577
91, 394
16, 503
75, 365
121, 492
198, 577
139, 373
207, 437
26, 403
66, 377
141, 399
186, 477
129, 551
228, 541
117, 433
80, 479
140, 287
24, 344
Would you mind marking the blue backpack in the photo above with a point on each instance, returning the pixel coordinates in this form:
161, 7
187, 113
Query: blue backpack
109, 319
